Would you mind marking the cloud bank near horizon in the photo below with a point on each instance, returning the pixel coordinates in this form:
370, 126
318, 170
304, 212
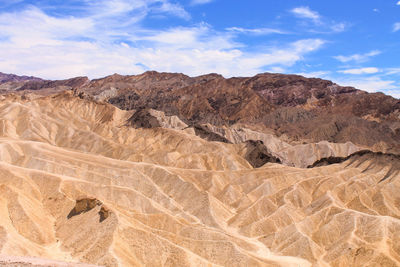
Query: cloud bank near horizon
98, 38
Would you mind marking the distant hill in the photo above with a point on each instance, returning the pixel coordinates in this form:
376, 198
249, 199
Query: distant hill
15, 78
297, 109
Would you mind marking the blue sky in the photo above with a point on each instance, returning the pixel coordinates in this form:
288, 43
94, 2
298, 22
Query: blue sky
350, 42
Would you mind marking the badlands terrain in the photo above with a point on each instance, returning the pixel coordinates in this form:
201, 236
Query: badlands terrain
162, 169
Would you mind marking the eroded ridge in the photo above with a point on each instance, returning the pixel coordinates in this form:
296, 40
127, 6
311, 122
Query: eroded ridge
166, 197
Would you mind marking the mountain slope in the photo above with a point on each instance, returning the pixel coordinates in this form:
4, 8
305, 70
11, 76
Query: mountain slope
5, 78
288, 106
79, 183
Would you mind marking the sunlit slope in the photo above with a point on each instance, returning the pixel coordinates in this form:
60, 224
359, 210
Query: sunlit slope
70, 122
77, 184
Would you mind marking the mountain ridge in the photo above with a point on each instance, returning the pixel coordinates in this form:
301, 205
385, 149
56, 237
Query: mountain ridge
7, 77
287, 105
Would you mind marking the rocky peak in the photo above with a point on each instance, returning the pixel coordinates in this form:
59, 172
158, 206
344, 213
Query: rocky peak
4, 77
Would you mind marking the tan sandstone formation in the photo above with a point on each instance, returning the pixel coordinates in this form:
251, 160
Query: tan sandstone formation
78, 183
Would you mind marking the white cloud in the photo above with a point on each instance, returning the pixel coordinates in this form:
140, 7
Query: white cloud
396, 27
103, 8
358, 57
257, 31
175, 9
394, 93
275, 70
201, 2
398, 3
284, 56
370, 70
391, 71
315, 74
43, 30
370, 84
339, 27
199, 37
321, 24
99, 43
306, 12
123, 11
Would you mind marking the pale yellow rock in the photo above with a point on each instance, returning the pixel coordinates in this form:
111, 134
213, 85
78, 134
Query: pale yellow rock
78, 185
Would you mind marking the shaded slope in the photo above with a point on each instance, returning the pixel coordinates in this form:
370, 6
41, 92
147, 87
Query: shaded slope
385, 157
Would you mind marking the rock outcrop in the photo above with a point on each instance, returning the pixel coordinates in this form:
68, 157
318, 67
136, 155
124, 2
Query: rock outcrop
257, 154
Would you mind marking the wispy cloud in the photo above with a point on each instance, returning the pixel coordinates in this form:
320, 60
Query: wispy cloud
306, 12
257, 31
359, 71
398, 3
172, 8
98, 43
358, 57
370, 84
339, 27
394, 93
201, 2
396, 27
315, 74
43, 29
320, 24
392, 71
285, 55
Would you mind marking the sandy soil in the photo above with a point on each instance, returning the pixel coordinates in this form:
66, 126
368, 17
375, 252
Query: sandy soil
14, 261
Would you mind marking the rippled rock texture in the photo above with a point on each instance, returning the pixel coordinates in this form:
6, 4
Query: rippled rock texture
78, 183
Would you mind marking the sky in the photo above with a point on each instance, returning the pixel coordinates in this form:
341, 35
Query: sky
355, 43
